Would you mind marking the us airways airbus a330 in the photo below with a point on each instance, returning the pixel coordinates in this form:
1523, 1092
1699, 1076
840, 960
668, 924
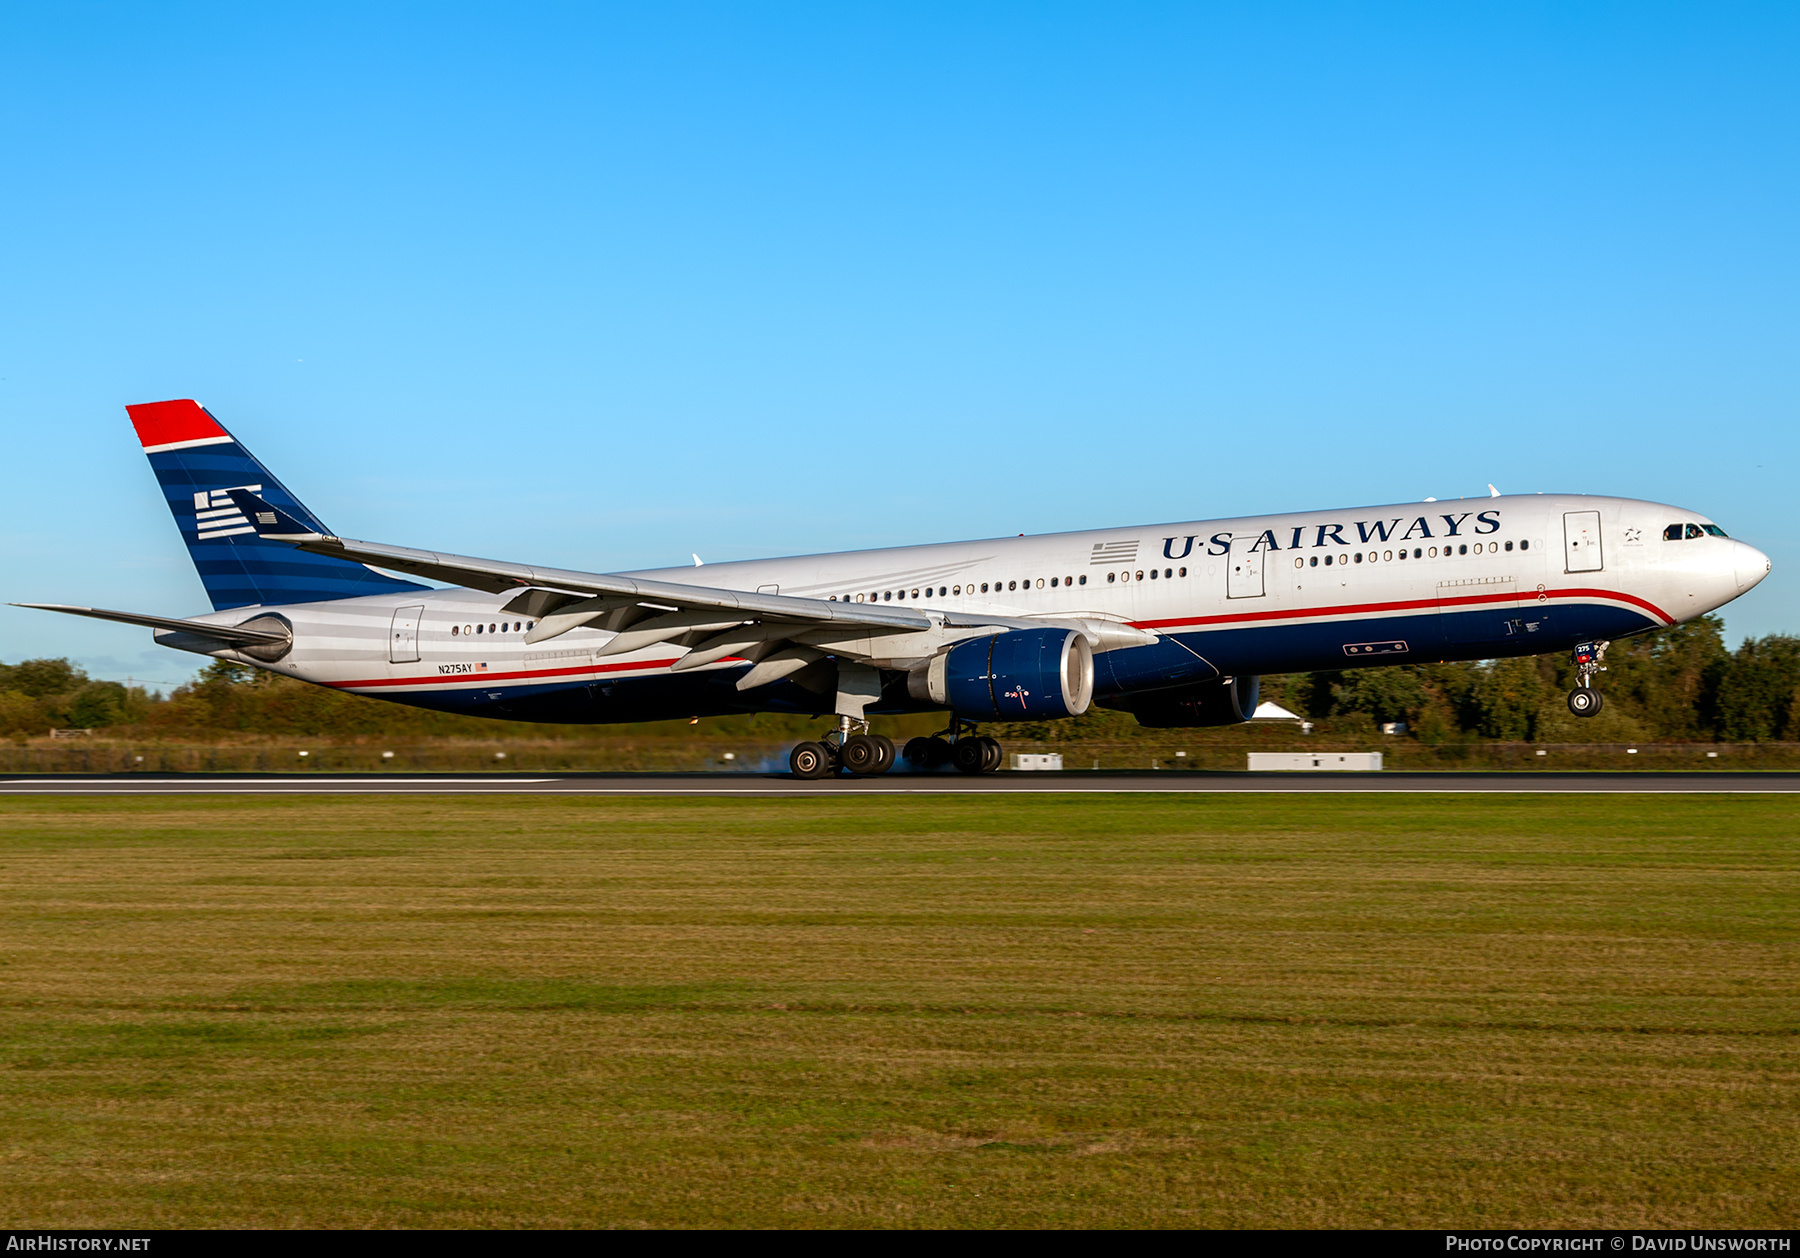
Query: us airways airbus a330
1173, 623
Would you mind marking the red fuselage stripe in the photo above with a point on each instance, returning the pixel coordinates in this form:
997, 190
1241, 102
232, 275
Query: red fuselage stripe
1418, 604
453, 678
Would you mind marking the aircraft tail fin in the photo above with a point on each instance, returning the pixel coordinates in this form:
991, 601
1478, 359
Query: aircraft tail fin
198, 464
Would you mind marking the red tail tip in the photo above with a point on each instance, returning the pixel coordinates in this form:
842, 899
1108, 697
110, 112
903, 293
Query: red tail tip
163, 424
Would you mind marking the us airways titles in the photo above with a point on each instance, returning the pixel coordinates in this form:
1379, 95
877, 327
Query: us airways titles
1452, 525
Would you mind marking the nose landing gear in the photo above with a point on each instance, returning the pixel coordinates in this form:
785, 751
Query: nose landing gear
1584, 700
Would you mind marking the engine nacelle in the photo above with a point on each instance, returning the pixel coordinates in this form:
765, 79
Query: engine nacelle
1031, 675
1225, 701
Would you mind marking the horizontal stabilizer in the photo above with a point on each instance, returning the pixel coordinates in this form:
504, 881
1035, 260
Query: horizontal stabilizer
224, 633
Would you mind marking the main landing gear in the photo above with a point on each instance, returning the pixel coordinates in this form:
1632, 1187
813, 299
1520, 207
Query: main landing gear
963, 748
1584, 700
862, 754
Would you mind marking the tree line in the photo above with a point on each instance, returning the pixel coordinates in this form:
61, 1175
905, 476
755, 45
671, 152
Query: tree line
1676, 684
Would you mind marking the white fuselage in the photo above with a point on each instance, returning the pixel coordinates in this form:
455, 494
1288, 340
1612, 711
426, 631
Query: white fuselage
1477, 578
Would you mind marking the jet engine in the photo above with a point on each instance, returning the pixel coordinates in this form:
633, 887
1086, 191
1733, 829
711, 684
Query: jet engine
1030, 675
1223, 701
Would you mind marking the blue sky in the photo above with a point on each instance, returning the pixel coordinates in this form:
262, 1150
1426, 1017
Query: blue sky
600, 286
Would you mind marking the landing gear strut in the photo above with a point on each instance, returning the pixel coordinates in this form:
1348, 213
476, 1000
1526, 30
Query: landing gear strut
1584, 700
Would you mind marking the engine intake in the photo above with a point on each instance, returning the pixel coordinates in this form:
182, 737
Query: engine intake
1030, 675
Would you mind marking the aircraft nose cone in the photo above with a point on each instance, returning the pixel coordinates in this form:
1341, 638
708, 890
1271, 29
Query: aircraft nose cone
1750, 564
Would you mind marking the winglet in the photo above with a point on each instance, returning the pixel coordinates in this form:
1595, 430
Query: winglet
270, 521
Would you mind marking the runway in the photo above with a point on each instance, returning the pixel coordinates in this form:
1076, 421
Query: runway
739, 785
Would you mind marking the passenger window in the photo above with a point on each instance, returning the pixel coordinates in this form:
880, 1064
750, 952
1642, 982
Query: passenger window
1359, 556
477, 628
1328, 560
1181, 572
1084, 578
1110, 578
1012, 585
1431, 555
1463, 549
1388, 554
1694, 530
1315, 561
1053, 583
1140, 576
453, 630
1153, 574
915, 594
1167, 573
1299, 562
984, 587
1509, 545
887, 596
1069, 580
1524, 545
1672, 533
942, 591
1040, 583
1713, 530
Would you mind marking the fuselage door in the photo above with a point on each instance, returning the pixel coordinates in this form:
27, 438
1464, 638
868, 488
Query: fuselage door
1244, 573
403, 642
1581, 541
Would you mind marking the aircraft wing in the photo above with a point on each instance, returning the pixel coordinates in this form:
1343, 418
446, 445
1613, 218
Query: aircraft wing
497, 576
779, 634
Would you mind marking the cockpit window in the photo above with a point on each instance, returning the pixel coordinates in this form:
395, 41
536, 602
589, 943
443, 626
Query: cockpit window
1672, 533
1694, 530
1713, 530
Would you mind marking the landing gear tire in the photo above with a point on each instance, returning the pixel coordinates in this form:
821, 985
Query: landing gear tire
995, 757
811, 760
926, 753
970, 755
1585, 701
888, 753
865, 755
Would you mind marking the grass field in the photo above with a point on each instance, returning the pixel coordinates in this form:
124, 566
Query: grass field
1195, 1011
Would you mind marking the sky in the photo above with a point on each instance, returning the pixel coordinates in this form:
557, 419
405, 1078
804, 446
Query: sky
600, 286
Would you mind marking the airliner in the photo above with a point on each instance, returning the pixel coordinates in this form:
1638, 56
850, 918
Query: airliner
1173, 623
